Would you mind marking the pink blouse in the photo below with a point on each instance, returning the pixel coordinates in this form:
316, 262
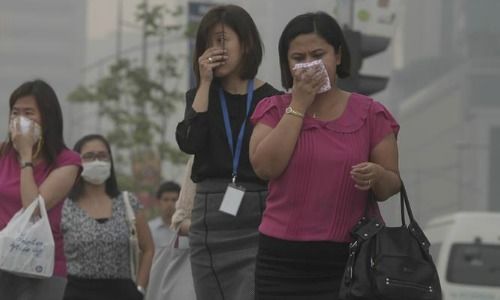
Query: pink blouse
315, 198
10, 196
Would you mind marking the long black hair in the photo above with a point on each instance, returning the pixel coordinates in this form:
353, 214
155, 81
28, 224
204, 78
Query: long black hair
51, 117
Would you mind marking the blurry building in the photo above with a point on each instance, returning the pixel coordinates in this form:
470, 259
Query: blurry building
41, 39
445, 85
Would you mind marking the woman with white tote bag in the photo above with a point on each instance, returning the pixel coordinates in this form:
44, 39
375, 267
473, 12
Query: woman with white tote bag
35, 161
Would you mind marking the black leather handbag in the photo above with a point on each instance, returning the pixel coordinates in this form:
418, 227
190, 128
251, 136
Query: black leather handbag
390, 263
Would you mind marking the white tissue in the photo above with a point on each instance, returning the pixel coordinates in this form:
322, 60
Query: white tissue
326, 86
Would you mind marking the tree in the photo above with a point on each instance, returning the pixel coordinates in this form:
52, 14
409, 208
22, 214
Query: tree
137, 100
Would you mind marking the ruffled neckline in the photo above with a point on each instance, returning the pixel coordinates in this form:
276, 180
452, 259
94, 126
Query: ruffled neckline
352, 118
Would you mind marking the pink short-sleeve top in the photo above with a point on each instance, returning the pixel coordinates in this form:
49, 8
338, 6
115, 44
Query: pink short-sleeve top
10, 196
315, 198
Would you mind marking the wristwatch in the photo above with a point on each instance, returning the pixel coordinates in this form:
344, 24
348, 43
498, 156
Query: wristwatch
290, 111
25, 164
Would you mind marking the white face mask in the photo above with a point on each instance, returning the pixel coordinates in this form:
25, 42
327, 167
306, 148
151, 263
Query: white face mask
25, 124
96, 172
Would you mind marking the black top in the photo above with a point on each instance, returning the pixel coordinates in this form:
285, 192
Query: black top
102, 220
203, 134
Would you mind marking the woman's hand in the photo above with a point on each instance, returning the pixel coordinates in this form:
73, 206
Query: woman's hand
184, 227
366, 175
209, 60
22, 142
306, 84
381, 174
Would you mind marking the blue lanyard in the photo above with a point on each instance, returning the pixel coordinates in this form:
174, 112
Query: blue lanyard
223, 103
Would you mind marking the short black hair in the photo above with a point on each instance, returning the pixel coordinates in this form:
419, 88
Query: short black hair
240, 21
168, 186
323, 25
111, 183
51, 115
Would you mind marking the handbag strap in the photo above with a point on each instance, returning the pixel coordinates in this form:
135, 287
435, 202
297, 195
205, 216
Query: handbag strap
413, 226
404, 203
129, 212
174, 242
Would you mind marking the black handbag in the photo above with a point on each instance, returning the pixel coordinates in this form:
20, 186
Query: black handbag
390, 263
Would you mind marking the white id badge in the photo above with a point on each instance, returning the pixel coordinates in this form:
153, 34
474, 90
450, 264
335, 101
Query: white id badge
232, 199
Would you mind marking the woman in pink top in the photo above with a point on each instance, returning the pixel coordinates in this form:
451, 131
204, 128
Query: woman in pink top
35, 161
322, 152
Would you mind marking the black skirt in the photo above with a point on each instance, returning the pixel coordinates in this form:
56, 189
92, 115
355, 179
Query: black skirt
101, 289
294, 270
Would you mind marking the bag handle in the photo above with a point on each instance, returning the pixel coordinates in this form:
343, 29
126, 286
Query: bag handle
43, 209
37, 202
129, 211
413, 226
174, 242
28, 211
404, 203
128, 207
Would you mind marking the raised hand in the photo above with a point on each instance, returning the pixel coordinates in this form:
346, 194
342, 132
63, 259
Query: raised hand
209, 60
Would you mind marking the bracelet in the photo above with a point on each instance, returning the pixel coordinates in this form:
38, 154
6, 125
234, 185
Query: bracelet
26, 164
141, 290
290, 111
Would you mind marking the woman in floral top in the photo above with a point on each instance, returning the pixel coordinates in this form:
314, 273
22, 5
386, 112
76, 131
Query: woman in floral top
96, 233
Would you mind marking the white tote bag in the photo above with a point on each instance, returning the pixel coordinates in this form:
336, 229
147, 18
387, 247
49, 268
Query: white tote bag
170, 276
26, 244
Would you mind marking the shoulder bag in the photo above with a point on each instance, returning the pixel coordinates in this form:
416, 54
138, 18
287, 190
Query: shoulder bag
390, 263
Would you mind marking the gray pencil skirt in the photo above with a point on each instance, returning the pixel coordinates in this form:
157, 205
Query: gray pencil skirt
224, 247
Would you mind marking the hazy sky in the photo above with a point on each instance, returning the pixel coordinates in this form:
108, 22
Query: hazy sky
101, 18
102, 15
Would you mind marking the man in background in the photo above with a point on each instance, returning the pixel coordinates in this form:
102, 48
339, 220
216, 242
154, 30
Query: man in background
166, 196
170, 276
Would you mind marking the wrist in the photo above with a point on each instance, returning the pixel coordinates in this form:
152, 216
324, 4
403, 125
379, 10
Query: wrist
290, 111
298, 107
26, 155
26, 164
205, 83
184, 227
